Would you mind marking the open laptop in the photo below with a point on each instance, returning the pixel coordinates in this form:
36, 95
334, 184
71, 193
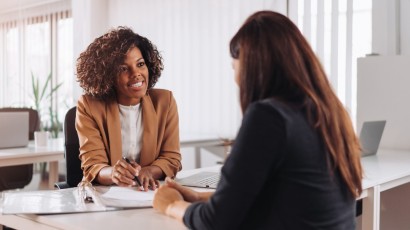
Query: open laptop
14, 129
370, 136
201, 180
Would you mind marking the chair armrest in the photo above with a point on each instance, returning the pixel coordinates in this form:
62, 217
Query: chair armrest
62, 185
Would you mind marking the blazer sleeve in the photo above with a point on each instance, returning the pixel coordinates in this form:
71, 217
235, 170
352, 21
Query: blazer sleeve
169, 158
93, 152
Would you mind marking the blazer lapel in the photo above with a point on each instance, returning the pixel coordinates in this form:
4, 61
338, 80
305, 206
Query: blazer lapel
150, 133
114, 132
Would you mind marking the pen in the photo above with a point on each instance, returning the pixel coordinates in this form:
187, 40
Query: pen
135, 177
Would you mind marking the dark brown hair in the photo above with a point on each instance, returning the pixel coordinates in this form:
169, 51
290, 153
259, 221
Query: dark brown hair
98, 65
276, 61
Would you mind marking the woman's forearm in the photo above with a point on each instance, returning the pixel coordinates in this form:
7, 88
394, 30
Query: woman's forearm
177, 209
204, 196
104, 176
155, 171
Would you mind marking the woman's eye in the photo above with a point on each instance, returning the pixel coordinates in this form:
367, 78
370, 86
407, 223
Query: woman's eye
140, 64
123, 69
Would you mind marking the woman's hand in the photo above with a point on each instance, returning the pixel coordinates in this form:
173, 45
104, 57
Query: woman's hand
147, 177
169, 199
123, 173
188, 194
164, 197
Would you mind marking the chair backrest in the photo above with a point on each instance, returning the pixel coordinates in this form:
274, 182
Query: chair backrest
13, 177
72, 149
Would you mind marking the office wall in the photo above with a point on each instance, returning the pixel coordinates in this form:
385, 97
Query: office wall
383, 94
193, 38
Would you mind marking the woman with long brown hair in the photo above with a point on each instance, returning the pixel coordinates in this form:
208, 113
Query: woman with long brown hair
295, 163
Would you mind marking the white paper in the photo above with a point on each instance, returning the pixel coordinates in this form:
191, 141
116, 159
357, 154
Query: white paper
126, 197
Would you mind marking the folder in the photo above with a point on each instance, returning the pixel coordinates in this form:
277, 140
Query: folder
73, 200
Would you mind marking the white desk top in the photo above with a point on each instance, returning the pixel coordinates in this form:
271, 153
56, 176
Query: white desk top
144, 218
51, 153
31, 154
388, 168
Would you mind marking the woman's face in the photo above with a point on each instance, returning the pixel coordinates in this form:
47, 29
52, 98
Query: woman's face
235, 67
132, 82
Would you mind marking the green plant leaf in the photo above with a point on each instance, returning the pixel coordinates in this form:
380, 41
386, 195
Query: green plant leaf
45, 87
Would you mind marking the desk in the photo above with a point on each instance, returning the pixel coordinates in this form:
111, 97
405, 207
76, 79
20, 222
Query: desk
145, 218
386, 170
51, 153
198, 141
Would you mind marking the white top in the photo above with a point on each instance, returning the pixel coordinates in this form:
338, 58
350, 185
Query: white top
131, 131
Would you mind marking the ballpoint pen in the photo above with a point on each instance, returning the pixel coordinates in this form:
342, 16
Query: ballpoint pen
135, 177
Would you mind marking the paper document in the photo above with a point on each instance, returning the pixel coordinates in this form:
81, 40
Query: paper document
124, 197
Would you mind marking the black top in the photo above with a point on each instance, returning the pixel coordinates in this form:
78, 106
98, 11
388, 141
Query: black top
276, 177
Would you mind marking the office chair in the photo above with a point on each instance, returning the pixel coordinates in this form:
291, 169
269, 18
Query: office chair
14, 177
74, 174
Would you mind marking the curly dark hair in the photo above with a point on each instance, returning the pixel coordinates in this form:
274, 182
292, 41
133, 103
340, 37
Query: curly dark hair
98, 65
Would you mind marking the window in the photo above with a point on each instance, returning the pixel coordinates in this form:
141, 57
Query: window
35, 48
339, 32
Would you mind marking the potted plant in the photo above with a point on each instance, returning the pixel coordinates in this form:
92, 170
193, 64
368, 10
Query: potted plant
41, 93
44, 94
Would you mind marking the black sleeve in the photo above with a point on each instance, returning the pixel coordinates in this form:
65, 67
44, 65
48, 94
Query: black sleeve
257, 153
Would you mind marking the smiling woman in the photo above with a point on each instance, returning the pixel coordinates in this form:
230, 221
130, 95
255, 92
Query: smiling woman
121, 115
132, 81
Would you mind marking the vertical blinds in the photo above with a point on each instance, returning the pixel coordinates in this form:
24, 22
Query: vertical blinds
29, 47
330, 27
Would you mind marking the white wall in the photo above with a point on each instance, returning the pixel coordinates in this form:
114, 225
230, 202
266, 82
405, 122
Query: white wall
383, 94
193, 38
382, 91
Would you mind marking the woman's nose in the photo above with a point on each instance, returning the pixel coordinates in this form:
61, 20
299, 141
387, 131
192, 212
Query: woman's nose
135, 73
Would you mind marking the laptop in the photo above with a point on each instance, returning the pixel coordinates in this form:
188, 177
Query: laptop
14, 129
370, 136
201, 180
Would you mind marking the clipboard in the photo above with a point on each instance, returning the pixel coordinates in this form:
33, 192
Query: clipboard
71, 200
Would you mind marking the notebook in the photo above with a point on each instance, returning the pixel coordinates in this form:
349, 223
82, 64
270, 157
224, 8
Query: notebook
370, 136
14, 129
201, 180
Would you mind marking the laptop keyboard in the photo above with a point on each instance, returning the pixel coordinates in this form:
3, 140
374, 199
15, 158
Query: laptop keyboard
210, 181
202, 180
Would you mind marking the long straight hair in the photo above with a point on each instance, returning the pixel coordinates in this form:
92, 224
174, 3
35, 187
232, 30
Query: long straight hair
276, 61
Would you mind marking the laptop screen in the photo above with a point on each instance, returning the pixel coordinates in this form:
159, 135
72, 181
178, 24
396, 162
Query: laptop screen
14, 129
370, 136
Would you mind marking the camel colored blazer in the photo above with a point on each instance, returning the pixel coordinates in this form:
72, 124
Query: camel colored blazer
99, 130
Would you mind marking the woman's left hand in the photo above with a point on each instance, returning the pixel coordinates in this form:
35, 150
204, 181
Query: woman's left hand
164, 197
146, 176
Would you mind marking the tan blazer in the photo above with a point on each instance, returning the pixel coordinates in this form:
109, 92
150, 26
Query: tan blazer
99, 130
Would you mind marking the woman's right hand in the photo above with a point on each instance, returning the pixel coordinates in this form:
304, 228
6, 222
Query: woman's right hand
123, 173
